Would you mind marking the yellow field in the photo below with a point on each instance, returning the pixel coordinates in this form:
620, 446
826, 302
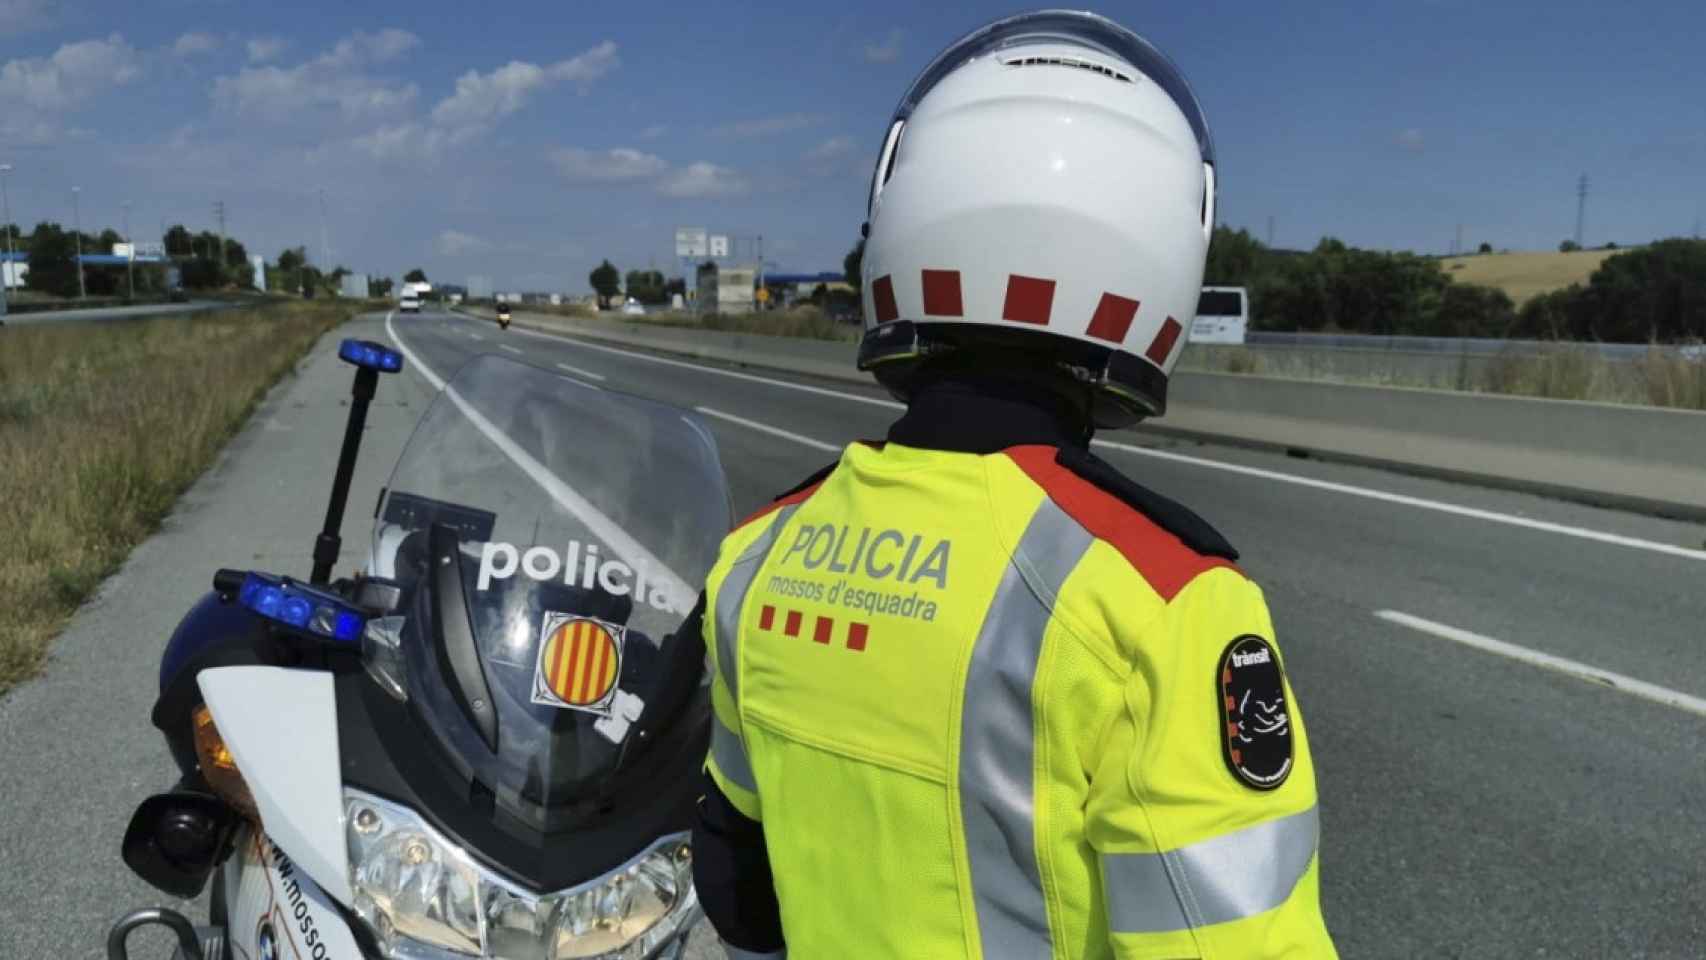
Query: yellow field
1524, 275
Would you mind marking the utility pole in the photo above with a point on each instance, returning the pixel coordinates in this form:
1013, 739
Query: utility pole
219, 214
325, 257
1457, 245
1581, 206
130, 259
12, 263
77, 224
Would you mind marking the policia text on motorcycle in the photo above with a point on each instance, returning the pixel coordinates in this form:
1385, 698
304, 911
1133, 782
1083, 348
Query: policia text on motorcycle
977, 694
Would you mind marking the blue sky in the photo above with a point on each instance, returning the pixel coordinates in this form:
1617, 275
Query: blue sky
525, 141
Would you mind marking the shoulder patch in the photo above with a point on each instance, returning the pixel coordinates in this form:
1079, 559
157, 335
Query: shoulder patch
1165, 543
1255, 725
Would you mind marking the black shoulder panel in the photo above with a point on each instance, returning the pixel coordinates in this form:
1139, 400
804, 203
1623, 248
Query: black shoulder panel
1175, 518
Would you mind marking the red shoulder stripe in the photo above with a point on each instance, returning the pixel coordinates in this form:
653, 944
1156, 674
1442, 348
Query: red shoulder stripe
1158, 556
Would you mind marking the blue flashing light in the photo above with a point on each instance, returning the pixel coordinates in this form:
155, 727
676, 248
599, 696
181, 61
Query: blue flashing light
370, 355
302, 606
295, 611
349, 627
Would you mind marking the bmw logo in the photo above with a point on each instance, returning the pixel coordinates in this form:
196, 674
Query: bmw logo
267, 942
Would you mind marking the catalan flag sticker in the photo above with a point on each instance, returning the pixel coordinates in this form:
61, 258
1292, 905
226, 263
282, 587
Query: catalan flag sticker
579, 661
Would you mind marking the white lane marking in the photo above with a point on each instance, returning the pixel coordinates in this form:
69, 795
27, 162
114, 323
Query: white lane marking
1583, 533
681, 596
820, 391
1581, 671
475, 335
767, 428
505, 346
577, 371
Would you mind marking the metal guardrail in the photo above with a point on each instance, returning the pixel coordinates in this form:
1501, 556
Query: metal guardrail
1457, 345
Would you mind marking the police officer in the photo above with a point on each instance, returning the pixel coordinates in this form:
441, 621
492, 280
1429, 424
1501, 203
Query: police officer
977, 694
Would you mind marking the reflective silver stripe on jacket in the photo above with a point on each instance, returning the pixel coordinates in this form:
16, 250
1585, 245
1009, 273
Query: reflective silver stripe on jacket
731, 597
998, 738
730, 754
736, 953
726, 747
1229, 877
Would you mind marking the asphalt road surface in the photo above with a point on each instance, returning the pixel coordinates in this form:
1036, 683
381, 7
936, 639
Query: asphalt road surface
1480, 797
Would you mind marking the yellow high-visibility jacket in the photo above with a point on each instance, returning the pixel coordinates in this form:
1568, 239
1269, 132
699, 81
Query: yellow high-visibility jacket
986, 707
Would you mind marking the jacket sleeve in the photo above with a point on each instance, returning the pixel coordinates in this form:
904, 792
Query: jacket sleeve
731, 871
1202, 808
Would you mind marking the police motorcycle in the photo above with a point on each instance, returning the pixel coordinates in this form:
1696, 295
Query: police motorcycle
503, 315
485, 744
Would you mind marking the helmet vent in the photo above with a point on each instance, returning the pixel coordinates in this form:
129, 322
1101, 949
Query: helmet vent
1089, 65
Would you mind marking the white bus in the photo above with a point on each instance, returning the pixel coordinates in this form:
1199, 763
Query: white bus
1223, 315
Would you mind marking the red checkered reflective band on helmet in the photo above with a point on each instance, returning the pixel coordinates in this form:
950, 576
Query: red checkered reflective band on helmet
942, 293
882, 293
1029, 300
1162, 348
1113, 318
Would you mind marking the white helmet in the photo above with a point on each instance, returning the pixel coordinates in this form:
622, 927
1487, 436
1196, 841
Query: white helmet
1048, 182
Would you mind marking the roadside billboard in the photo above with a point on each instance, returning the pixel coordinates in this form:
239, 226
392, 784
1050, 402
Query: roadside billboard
691, 242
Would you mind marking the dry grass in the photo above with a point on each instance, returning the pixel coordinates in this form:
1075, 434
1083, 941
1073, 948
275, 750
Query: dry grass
1560, 371
1522, 276
101, 428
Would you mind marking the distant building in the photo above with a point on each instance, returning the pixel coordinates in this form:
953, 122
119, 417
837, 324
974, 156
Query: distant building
724, 289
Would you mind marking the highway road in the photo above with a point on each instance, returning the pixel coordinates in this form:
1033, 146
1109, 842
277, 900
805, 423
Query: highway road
1479, 797
108, 313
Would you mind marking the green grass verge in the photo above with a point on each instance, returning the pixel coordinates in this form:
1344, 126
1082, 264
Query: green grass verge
102, 427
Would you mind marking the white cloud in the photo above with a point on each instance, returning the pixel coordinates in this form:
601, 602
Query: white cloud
654, 131
481, 98
191, 44
402, 141
703, 180
455, 243
768, 126
618, 165
335, 78
831, 157
262, 49
831, 149
74, 73
887, 51
1410, 140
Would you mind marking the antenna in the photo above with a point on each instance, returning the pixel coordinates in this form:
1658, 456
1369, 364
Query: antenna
1581, 206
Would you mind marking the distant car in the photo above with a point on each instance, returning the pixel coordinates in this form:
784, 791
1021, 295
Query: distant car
633, 308
410, 303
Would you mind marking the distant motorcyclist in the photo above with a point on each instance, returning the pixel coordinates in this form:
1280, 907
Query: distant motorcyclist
977, 694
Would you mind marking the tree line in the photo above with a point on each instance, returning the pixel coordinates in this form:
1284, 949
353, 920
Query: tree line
1655, 293
647, 286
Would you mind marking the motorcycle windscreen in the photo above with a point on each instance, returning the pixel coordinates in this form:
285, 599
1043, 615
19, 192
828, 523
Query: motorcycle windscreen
551, 537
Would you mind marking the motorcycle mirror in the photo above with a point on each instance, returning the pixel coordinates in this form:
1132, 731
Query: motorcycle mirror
176, 839
370, 360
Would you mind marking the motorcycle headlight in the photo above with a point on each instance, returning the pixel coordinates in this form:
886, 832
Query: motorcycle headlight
414, 889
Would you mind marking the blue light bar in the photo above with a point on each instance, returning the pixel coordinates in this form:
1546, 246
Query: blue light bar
301, 606
370, 355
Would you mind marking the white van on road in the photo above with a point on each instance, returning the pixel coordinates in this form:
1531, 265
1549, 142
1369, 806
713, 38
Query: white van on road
410, 303
1223, 315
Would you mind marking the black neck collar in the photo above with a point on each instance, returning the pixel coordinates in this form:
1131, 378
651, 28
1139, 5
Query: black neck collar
968, 416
